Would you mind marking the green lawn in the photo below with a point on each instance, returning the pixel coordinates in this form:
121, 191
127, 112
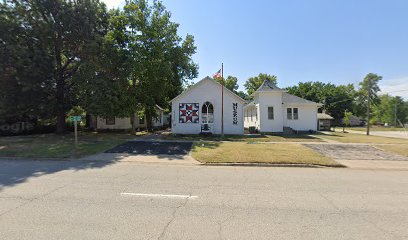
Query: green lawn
361, 138
244, 138
400, 149
59, 146
241, 152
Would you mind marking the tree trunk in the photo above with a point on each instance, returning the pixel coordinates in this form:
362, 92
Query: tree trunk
59, 77
133, 119
149, 126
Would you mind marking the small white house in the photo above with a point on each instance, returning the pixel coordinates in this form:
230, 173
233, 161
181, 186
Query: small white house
274, 110
116, 123
198, 110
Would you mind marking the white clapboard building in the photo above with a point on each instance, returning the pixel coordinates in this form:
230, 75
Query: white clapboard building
198, 110
274, 110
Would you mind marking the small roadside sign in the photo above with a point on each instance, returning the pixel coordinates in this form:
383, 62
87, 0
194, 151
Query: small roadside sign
76, 119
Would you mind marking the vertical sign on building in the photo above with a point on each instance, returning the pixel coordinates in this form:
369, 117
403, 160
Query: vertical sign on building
234, 113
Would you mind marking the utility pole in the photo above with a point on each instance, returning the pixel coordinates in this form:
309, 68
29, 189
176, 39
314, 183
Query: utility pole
368, 105
222, 100
395, 113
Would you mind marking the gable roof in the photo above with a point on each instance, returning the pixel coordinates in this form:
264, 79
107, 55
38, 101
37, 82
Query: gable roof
158, 107
289, 98
268, 86
212, 80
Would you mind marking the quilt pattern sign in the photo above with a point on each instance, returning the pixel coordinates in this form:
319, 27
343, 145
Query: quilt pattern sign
188, 112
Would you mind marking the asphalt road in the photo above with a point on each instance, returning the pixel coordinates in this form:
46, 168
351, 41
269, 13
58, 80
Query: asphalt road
110, 200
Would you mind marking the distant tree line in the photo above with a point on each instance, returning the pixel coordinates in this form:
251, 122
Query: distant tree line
338, 100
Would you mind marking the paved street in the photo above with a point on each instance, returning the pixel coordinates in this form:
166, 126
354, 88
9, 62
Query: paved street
128, 200
394, 134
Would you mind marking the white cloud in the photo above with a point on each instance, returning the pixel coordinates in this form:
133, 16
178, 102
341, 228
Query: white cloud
114, 3
395, 87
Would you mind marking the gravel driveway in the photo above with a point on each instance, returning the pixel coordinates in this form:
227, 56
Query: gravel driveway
354, 152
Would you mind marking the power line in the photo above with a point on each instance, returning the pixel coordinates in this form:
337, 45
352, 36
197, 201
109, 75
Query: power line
403, 90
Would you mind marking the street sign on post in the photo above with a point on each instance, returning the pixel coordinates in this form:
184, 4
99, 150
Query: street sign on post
76, 119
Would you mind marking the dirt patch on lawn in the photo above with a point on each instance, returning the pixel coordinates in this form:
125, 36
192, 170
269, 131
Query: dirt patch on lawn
354, 152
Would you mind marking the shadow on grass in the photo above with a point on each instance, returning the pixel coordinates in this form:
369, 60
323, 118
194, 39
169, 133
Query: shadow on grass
167, 150
246, 137
333, 134
205, 145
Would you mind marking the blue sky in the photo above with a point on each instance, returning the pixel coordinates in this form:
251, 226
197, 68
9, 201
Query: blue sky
299, 40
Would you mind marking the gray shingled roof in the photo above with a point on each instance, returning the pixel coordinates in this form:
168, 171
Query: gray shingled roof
288, 98
268, 86
324, 116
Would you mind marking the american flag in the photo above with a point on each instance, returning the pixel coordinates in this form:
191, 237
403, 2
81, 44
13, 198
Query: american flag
217, 74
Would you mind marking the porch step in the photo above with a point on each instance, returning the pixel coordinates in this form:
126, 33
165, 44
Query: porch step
288, 131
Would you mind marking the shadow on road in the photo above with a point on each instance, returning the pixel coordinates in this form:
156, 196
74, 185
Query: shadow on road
13, 172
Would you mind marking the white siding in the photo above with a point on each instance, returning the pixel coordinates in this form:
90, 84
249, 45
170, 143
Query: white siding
208, 90
120, 123
307, 117
307, 114
271, 99
124, 123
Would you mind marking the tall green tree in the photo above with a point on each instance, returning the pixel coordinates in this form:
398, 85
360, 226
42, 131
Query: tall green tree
253, 83
160, 60
64, 31
230, 82
335, 99
391, 110
368, 94
103, 81
369, 86
26, 84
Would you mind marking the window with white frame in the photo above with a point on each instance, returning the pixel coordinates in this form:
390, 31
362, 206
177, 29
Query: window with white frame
292, 113
207, 113
295, 113
270, 113
289, 113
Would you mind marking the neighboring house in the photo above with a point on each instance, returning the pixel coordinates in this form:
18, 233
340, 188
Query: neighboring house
126, 123
274, 110
324, 121
355, 121
198, 110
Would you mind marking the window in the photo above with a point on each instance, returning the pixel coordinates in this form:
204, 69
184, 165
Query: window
289, 113
270, 113
295, 114
207, 113
110, 121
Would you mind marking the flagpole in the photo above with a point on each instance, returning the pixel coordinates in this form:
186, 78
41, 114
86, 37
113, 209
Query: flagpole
222, 100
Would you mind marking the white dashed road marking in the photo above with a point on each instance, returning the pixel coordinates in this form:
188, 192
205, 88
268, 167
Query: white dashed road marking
152, 195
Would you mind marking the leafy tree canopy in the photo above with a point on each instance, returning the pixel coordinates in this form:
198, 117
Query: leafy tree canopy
253, 83
335, 99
